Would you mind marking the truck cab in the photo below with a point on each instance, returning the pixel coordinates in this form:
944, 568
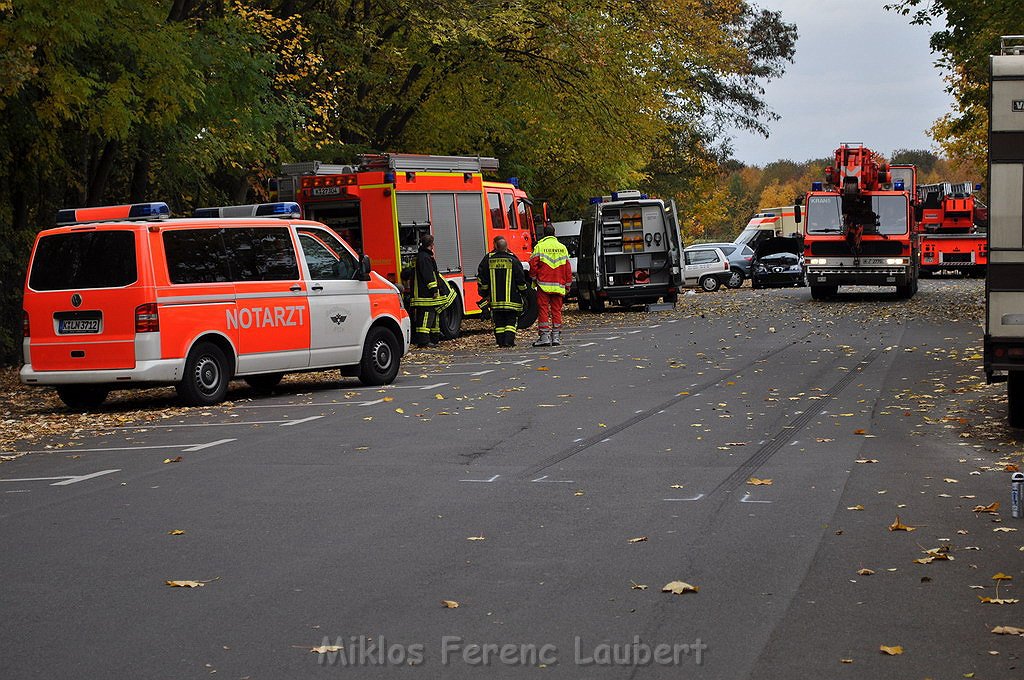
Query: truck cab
630, 252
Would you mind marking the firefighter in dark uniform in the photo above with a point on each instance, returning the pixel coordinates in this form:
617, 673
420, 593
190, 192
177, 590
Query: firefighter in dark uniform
502, 282
431, 295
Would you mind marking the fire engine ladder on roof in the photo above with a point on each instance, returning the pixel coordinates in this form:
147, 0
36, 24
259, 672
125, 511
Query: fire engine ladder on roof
407, 162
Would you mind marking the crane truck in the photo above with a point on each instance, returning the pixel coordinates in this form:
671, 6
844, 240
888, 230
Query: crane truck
859, 226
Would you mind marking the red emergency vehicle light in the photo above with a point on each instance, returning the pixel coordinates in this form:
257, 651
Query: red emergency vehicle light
328, 181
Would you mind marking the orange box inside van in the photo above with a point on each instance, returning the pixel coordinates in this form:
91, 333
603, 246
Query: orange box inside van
113, 302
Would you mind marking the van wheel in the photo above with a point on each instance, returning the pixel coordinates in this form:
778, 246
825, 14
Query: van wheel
206, 376
381, 358
530, 309
710, 284
597, 304
735, 279
823, 292
266, 381
583, 303
671, 298
451, 318
82, 397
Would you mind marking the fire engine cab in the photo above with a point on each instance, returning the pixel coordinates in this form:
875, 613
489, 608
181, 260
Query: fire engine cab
950, 239
383, 204
121, 296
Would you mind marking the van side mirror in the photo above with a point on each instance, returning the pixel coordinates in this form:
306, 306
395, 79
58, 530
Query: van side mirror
364, 268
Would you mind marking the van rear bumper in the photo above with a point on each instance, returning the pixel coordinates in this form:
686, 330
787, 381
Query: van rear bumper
163, 371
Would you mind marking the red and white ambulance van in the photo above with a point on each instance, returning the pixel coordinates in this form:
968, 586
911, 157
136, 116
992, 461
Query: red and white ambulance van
121, 296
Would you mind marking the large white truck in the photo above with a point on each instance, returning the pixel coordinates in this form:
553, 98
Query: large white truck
1004, 286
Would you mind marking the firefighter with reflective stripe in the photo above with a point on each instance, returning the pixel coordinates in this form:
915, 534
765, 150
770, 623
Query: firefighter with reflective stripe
431, 295
550, 268
502, 282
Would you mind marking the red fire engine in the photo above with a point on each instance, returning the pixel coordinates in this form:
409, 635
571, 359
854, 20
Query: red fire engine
859, 229
949, 219
385, 203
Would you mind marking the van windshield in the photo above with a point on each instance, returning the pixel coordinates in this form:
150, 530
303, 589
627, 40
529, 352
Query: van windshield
83, 260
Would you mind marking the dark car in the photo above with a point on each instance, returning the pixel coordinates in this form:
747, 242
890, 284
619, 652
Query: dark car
740, 256
778, 263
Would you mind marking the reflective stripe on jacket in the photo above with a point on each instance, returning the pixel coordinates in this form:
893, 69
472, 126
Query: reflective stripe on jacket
501, 281
429, 289
550, 266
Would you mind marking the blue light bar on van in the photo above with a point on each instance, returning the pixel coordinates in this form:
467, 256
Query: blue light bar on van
514, 181
816, 186
279, 210
286, 209
977, 187
897, 185
113, 213
594, 200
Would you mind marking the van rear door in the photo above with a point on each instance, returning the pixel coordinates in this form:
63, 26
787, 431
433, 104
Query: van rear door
81, 295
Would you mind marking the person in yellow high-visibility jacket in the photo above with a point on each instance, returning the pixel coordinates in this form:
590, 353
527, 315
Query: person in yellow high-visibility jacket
550, 268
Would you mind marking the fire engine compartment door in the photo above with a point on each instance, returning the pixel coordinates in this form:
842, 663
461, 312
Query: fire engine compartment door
472, 234
446, 233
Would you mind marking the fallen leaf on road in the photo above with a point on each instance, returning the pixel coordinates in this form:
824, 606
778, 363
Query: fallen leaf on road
846, 661
387, 399
860, 431
185, 584
865, 572
399, 410
993, 507
438, 396
894, 650
177, 459
1002, 577
577, 493
637, 586
325, 649
679, 587
676, 486
822, 440
176, 532
1004, 529
476, 538
856, 507
950, 480
1008, 630
449, 604
638, 539
866, 460
754, 481
998, 600
543, 368
897, 525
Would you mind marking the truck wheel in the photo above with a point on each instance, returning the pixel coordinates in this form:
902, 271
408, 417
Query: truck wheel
1015, 398
264, 382
671, 298
710, 284
451, 318
530, 309
206, 378
584, 304
597, 304
735, 279
381, 358
82, 397
907, 291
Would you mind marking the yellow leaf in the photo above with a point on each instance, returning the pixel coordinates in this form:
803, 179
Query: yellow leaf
476, 538
950, 480
449, 604
399, 410
177, 459
601, 425
856, 507
176, 532
324, 649
991, 508
577, 493
438, 396
1008, 630
1002, 577
185, 584
894, 650
865, 572
638, 539
637, 586
387, 399
754, 481
998, 600
846, 661
860, 431
897, 525
1004, 529
679, 587
676, 486
543, 368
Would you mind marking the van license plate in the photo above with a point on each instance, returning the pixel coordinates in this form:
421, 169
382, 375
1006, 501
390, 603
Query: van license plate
78, 326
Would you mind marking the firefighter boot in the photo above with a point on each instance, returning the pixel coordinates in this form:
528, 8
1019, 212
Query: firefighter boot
556, 337
544, 340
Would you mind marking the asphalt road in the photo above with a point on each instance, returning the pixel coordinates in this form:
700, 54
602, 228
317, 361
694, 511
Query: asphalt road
339, 515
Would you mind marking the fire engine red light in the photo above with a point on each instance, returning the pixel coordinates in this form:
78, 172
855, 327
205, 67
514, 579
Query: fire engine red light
999, 352
307, 182
147, 319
